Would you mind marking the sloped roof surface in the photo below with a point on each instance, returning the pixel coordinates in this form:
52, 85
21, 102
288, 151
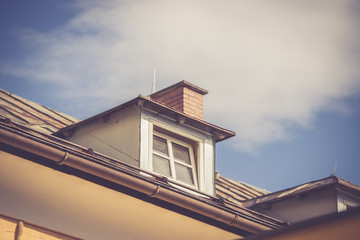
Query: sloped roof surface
32, 115
236, 192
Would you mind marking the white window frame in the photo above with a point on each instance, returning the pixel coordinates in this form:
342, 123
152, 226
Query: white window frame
204, 152
172, 160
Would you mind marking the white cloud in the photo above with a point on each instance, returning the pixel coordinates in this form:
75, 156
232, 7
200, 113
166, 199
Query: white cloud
268, 65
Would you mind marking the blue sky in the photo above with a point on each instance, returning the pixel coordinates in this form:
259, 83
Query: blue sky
283, 75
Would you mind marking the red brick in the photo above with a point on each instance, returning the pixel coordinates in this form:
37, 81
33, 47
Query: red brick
183, 99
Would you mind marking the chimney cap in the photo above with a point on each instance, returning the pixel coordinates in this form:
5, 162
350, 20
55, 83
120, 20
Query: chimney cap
183, 83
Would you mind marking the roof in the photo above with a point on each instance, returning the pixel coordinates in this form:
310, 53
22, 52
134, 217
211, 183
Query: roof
332, 181
153, 105
32, 115
20, 125
236, 192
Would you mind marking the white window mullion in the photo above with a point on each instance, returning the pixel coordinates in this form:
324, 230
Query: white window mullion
193, 166
171, 155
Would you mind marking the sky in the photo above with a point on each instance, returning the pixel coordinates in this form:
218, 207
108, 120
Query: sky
284, 75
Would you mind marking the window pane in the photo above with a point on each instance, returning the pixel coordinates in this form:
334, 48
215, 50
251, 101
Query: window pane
161, 165
184, 174
181, 153
159, 144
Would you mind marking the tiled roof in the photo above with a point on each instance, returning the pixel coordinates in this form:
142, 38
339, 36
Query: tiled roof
32, 115
236, 192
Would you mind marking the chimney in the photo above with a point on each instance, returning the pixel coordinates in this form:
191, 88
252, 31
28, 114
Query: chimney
183, 96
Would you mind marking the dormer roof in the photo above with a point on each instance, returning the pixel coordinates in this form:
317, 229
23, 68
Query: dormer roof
160, 108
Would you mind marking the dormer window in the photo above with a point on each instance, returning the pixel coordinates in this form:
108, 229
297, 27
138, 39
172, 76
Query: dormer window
174, 159
163, 134
182, 154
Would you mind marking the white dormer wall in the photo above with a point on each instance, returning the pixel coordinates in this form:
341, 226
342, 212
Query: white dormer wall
205, 151
126, 135
115, 135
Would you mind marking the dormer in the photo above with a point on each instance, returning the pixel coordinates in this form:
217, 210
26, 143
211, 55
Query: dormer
163, 133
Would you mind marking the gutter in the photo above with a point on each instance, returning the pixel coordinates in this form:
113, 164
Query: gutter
151, 189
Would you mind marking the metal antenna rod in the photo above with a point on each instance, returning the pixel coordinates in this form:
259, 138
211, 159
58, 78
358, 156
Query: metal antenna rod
153, 89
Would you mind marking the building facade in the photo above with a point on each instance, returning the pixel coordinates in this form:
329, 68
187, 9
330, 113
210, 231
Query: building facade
146, 170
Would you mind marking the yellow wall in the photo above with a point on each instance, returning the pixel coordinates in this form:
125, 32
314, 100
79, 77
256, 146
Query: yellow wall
11, 228
345, 226
69, 204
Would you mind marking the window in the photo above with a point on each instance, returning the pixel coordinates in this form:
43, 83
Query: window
183, 154
173, 158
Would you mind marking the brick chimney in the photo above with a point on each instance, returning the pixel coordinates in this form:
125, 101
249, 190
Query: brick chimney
183, 96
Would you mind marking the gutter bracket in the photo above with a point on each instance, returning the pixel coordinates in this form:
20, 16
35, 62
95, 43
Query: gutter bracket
234, 220
62, 161
157, 190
